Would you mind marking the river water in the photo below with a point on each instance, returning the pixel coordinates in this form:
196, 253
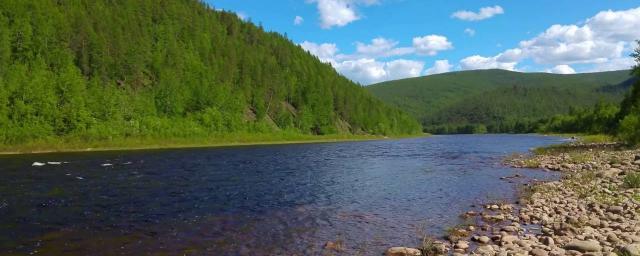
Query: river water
254, 200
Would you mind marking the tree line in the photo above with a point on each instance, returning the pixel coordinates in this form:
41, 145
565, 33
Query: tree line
104, 69
620, 120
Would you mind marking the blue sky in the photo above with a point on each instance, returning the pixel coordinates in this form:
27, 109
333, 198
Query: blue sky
371, 41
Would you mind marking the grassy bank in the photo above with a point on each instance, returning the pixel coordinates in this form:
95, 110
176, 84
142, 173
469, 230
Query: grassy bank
139, 143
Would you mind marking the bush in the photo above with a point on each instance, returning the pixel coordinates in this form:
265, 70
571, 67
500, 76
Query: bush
629, 130
632, 180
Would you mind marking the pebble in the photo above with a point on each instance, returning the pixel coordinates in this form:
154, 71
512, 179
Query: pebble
587, 213
403, 251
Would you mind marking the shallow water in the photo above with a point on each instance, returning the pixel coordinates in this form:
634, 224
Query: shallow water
254, 200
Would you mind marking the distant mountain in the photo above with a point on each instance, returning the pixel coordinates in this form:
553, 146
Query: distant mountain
498, 100
98, 70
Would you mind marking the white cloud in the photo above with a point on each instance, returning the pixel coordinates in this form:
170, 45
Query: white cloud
603, 37
369, 71
298, 20
325, 52
563, 44
511, 55
602, 41
339, 13
562, 69
363, 69
614, 64
431, 44
484, 13
381, 47
398, 69
617, 25
440, 66
480, 62
470, 32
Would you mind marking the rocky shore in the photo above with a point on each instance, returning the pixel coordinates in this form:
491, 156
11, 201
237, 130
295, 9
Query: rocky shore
594, 209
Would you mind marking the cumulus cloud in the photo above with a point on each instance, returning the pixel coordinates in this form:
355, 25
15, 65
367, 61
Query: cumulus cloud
431, 44
613, 64
602, 41
470, 32
362, 70
483, 13
339, 13
362, 66
298, 20
602, 38
562, 69
381, 47
325, 52
616, 25
571, 44
369, 71
398, 69
440, 66
480, 62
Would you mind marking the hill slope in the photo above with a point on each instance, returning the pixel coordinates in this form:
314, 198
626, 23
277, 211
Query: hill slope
107, 69
498, 100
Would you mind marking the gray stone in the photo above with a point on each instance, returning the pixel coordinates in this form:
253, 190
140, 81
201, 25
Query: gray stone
509, 229
548, 241
611, 237
462, 245
486, 250
539, 252
484, 239
558, 252
615, 209
403, 251
583, 246
508, 239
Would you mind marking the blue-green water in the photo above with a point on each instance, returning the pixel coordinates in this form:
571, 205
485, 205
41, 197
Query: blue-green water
254, 200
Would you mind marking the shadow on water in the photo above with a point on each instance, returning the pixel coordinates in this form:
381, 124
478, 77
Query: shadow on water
257, 200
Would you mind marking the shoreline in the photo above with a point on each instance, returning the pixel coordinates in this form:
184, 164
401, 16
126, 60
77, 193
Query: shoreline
157, 144
593, 209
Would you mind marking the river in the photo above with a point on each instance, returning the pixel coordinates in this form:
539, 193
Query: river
254, 200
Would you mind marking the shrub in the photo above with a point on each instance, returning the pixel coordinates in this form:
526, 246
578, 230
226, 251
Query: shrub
632, 180
629, 129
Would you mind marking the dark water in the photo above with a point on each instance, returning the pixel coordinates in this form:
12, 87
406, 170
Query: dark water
257, 200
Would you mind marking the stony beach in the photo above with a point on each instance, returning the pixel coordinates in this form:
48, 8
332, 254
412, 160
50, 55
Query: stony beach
594, 209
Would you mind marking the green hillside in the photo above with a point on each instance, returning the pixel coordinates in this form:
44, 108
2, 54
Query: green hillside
498, 100
104, 70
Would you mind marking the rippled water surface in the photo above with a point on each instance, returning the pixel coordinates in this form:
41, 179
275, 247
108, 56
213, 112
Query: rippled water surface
254, 200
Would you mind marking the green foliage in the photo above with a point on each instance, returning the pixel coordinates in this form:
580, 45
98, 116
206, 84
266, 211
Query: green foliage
107, 70
600, 119
629, 115
632, 180
502, 101
629, 129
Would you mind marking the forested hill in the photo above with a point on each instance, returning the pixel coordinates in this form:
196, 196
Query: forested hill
498, 100
105, 69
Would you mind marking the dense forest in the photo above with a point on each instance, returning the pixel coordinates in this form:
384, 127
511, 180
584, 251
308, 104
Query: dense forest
620, 120
104, 69
500, 101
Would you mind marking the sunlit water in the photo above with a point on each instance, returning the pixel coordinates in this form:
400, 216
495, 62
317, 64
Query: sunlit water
254, 200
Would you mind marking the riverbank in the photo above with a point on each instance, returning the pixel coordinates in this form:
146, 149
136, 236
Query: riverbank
226, 140
594, 209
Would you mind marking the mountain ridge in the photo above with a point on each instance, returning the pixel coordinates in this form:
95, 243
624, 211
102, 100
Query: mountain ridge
499, 100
